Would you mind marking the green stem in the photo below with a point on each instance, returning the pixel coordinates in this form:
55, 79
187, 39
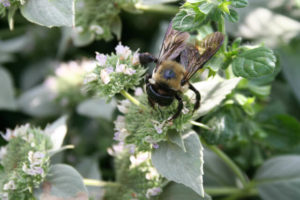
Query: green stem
222, 29
217, 191
200, 125
132, 99
157, 8
242, 193
230, 163
97, 183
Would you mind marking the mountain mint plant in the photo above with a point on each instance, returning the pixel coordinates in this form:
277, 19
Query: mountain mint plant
154, 157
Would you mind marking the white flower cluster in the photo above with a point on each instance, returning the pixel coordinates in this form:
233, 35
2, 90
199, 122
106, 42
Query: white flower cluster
123, 52
36, 161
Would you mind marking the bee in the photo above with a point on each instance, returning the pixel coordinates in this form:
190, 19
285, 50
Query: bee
178, 61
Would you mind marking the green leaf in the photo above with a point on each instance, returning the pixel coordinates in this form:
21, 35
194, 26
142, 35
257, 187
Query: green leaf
57, 132
283, 132
213, 92
239, 3
187, 20
176, 138
254, 63
16, 44
62, 182
216, 171
222, 128
49, 12
290, 62
279, 178
88, 168
38, 102
96, 108
233, 16
7, 99
175, 191
116, 27
206, 7
179, 166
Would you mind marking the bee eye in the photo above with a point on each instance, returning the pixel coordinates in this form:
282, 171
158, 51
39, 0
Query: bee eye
169, 74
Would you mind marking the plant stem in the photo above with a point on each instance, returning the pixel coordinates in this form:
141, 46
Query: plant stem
200, 125
216, 191
157, 8
97, 183
243, 193
229, 162
222, 29
132, 99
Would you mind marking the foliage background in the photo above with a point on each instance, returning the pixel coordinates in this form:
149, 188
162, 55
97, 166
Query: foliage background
30, 53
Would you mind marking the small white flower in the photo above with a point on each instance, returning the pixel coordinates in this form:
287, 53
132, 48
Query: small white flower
119, 123
138, 91
131, 148
121, 68
97, 29
155, 145
153, 192
139, 159
33, 170
135, 58
116, 149
129, 71
104, 75
158, 127
123, 51
3, 152
123, 106
9, 186
152, 174
101, 58
121, 135
35, 158
109, 69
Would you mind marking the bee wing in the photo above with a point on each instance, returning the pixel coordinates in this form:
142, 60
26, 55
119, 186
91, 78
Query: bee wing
193, 61
173, 44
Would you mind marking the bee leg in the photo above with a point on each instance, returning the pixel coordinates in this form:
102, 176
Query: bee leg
146, 58
179, 108
198, 97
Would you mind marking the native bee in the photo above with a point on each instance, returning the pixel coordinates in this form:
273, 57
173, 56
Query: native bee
178, 61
